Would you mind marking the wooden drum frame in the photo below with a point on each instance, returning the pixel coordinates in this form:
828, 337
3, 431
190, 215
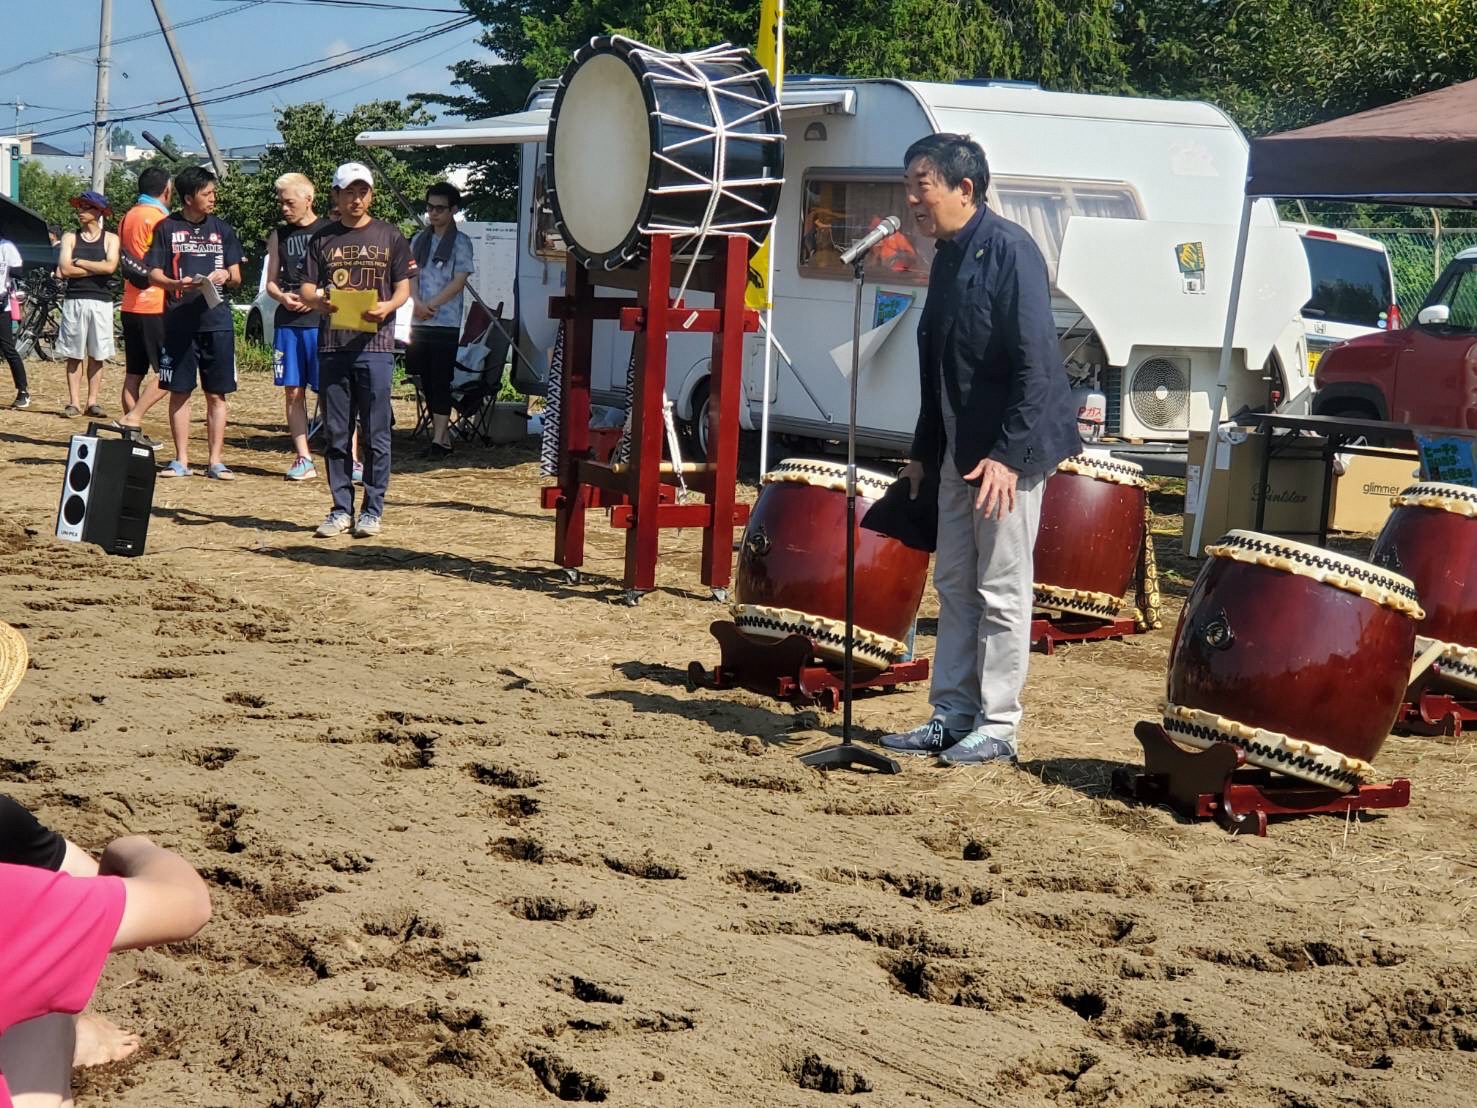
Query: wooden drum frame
1296, 655
791, 577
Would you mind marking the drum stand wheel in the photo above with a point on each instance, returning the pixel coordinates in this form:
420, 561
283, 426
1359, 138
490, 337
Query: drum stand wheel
571, 575
631, 597
1216, 784
720, 594
786, 669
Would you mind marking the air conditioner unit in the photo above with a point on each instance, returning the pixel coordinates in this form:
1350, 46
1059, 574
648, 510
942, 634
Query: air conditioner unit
1157, 395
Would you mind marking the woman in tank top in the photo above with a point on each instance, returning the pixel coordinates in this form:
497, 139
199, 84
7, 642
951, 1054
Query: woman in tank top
89, 258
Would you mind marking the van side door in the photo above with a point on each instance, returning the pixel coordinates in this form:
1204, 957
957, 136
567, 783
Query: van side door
1436, 376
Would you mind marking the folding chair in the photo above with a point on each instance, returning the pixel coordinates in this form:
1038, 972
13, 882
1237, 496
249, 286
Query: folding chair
480, 367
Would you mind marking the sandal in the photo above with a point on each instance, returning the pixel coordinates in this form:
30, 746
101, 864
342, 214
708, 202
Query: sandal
174, 469
96, 411
219, 472
71, 411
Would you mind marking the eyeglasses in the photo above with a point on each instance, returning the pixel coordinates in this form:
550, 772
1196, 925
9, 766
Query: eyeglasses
438, 207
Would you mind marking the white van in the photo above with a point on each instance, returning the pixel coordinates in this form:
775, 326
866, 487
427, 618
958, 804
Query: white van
1353, 288
1133, 201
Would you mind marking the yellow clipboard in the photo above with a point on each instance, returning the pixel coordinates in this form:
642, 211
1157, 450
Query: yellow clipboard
352, 304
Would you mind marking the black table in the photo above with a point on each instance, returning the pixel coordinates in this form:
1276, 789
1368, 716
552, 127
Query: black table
1337, 434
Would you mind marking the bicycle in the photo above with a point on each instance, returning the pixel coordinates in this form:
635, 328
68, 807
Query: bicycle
40, 323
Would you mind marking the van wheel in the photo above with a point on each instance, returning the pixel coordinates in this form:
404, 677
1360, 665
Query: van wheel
1356, 410
254, 331
697, 427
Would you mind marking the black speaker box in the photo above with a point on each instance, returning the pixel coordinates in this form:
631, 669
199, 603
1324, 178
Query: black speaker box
107, 492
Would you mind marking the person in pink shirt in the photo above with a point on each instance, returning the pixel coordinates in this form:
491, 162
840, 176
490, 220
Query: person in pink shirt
57, 930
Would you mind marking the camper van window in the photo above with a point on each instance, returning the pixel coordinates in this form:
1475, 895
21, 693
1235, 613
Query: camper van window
547, 242
1043, 207
841, 208
1351, 282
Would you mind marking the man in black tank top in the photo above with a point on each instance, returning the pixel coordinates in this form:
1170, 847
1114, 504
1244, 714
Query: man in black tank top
294, 325
89, 258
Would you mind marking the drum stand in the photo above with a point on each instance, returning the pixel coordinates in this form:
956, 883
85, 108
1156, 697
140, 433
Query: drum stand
1430, 713
787, 669
641, 496
1215, 784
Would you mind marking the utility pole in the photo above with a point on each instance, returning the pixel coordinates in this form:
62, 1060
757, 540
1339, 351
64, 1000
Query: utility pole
218, 162
100, 105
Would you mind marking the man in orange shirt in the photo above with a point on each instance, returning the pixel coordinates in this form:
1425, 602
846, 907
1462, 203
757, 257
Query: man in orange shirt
143, 305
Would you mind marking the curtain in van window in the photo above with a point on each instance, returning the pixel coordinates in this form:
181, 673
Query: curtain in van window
1043, 215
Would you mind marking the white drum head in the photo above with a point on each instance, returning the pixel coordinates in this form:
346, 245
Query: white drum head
602, 153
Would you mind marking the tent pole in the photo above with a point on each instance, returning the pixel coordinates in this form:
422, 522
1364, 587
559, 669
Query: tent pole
1223, 374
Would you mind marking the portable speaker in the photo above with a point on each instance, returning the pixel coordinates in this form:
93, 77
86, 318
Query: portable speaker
107, 493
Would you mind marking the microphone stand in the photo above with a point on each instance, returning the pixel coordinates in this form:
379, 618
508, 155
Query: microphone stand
847, 754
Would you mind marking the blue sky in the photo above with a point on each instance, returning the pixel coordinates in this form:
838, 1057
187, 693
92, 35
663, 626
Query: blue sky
246, 39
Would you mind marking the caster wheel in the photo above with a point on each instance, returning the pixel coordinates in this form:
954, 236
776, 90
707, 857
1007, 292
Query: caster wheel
720, 595
631, 597
572, 576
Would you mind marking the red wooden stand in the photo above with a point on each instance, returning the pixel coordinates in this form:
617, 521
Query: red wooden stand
1433, 713
1049, 632
641, 496
787, 670
1213, 784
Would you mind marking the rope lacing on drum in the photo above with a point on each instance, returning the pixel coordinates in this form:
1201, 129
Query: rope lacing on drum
682, 71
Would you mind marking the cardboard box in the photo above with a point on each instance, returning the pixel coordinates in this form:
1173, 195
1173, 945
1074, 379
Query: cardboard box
1361, 494
1294, 492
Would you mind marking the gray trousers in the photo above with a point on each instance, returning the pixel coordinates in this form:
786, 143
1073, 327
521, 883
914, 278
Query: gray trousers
356, 386
982, 571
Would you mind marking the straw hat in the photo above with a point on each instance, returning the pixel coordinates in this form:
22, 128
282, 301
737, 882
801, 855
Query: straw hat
13, 659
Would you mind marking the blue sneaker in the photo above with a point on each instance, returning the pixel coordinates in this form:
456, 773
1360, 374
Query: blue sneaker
301, 470
977, 748
931, 738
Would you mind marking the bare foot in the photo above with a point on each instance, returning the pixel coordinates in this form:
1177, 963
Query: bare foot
100, 1041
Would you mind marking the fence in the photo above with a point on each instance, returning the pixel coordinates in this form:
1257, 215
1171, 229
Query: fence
1417, 256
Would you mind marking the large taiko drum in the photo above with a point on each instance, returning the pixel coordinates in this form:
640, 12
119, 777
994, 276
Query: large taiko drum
644, 141
1092, 527
792, 567
1431, 537
1297, 655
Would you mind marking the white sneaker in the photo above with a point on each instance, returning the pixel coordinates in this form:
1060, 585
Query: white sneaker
336, 524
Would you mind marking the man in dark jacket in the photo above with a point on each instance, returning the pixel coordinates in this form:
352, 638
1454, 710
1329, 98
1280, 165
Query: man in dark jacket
996, 418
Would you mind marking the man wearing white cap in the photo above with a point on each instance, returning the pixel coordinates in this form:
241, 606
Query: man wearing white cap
356, 357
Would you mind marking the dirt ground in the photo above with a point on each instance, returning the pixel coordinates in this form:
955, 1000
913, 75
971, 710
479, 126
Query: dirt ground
473, 841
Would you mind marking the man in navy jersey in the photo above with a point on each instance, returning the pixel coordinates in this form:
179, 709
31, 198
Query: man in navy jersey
193, 257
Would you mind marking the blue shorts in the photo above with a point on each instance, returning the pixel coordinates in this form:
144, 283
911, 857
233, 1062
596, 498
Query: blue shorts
208, 358
295, 357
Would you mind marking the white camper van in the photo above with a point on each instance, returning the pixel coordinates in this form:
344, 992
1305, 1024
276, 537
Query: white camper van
1134, 203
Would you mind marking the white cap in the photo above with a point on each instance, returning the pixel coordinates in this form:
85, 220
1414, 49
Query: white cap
346, 174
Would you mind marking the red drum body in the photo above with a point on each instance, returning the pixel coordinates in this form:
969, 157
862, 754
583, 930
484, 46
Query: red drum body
1296, 655
1431, 537
1092, 527
792, 567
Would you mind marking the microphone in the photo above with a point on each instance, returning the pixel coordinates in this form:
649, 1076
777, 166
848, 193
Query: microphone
887, 227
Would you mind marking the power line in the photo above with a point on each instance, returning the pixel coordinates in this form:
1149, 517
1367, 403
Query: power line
394, 42
131, 38
446, 28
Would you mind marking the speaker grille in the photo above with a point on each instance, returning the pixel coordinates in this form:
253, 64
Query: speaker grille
1159, 394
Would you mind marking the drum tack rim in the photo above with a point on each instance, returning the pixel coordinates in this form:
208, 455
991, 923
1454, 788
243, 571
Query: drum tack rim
1361, 578
766, 622
1455, 663
827, 475
1456, 499
1120, 473
1273, 750
1099, 605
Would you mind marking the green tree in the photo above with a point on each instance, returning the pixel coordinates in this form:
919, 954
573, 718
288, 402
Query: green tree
315, 141
1067, 44
119, 137
49, 194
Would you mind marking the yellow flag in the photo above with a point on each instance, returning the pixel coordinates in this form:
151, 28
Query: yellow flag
771, 55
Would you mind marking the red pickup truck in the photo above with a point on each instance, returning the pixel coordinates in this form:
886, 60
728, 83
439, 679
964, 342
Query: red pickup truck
1423, 374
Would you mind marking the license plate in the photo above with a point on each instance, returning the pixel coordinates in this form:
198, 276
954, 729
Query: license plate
1313, 356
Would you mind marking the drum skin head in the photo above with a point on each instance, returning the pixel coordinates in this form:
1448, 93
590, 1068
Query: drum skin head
603, 121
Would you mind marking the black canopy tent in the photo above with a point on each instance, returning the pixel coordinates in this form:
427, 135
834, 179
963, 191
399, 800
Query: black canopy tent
1420, 151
